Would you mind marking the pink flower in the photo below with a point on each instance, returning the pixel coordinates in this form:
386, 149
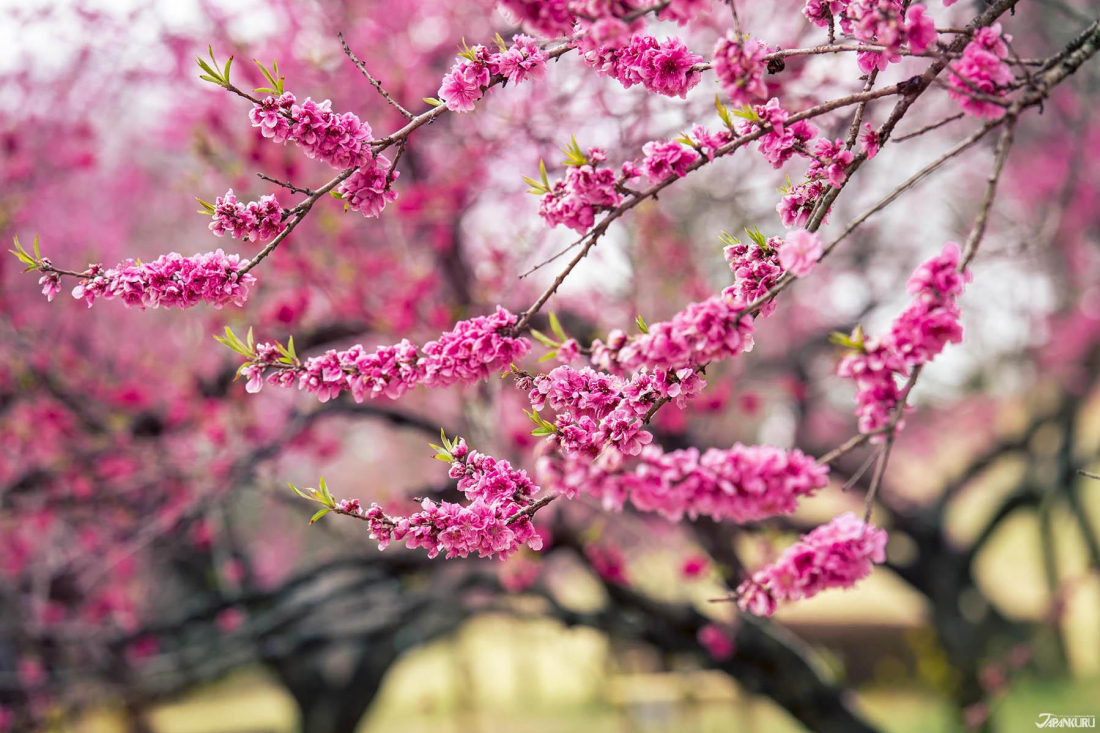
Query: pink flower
835, 555
51, 285
717, 641
739, 65
694, 567
474, 350
368, 189
257, 220
800, 252
916, 336
664, 159
920, 30
662, 67
982, 65
170, 281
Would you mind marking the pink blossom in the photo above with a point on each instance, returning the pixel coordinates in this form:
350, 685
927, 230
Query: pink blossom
717, 641
740, 484
983, 66
920, 30
368, 189
800, 252
739, 65
835, 555
585, 191
756, 270
662, 67
170, 281
472, 351
916, 336
257, 220
664, 159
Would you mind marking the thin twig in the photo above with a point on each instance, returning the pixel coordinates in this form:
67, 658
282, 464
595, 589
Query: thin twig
374, 82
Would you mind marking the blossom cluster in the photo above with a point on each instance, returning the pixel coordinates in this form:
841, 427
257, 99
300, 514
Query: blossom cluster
834, 555
470, 352
487, 525
596, 409
739, 484
586, 190
702, 332
170, 281
756, 270
662, 67
341, 140
739, 64
257, 220
588, 20
982, 69
886, 23
465, 83
782, 140
916, 336
666, 159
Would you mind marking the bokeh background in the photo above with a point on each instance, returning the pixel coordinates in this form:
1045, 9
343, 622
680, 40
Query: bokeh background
157, 575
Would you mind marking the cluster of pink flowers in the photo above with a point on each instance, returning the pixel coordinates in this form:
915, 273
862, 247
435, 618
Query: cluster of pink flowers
662, 67
549, 18
829, 161
740, 484
257, 220
739, 66
756, 270
835, 555
665, 159
800, 252
465, 83
471, 352
886, 23
496, 493
915, 338
718, 642
799, 201
984, 69
596, 409
702, 332
369, 188
341, 140
170, 281
881, 22
782, 140
585, 191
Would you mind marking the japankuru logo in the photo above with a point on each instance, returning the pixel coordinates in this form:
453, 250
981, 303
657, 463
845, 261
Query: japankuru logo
1049, 720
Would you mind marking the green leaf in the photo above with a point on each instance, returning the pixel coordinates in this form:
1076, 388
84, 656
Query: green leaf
542, 172
728, 240
642, 325
747, 113
723, 112
500, 43
336, 194
536, 187
543, 339
433, 101
548, 356
555, 326
758, 238
290, 348
319, 514
299, 492
574, 156
37, 254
